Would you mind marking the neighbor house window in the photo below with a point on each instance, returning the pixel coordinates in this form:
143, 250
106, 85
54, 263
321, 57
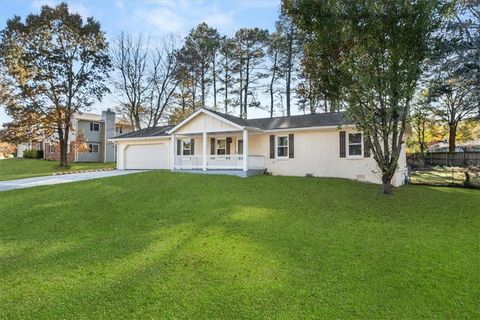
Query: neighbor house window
51, 149
240, 146
119, 130
93, 148
94, 126
186, 147
355, 144
282, 147
221, 146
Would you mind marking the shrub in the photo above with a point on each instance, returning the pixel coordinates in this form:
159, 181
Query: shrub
33, 154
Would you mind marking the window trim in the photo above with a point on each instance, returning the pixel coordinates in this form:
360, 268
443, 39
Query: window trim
238, 149
92, 126
348, 145
184, 149
216, 147
90, 147
277, 146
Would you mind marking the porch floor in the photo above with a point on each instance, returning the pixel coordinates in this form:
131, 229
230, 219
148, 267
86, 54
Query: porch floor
230, 172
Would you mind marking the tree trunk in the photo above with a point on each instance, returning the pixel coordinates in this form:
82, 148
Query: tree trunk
387, 183
226, 89
271, 84
452, 137
214, 84
289, 72
245, 96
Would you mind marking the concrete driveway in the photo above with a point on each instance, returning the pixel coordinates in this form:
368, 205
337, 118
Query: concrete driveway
65, 178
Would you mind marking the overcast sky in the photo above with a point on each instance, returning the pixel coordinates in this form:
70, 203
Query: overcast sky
156, 18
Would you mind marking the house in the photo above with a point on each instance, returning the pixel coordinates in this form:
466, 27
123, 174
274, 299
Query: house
323, 145
95, 129
469, 146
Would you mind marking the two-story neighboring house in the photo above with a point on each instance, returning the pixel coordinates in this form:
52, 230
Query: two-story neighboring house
94, 130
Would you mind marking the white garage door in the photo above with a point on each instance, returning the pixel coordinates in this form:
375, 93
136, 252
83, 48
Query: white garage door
147, 156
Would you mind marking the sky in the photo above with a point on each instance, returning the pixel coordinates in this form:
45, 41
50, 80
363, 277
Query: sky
156, 19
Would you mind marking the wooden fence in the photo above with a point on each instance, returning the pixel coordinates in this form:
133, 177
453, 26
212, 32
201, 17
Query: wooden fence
452, 159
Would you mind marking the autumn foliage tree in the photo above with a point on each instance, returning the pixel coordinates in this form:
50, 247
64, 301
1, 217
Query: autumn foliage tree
370, 55
56, 65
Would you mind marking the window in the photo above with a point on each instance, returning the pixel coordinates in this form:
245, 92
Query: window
119, 130
93, 148
51, 149
240, 146
221, 146
282, 147
186, 147
355, 145
94, 126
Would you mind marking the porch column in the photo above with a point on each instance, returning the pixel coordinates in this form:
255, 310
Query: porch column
173, 152
204, 150
245, 150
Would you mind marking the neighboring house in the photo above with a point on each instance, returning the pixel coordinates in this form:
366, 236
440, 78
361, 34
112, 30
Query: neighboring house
96, 130
470, 146
323, 145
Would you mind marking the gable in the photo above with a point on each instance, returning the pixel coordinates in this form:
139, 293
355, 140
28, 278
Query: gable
206, 122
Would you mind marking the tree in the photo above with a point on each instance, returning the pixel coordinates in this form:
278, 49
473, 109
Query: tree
164, 81
378, 48
291, 47
454, 69
227, 52
198, 56
133, 82
250, 55
56, 65
275, 46
420, 121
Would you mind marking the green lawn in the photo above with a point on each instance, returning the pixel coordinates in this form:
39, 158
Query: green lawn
19, 168
444, 176
185, 246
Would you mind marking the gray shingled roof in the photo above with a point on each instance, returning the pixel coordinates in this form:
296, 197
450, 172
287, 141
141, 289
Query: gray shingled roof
147, 132
299, 121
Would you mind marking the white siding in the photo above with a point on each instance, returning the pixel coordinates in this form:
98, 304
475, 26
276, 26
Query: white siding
203, 122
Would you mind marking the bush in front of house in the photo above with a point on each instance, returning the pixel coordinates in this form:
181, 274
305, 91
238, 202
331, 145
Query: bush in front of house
33, 154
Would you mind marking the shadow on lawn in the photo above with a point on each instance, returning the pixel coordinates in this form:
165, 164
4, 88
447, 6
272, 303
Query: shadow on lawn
184, 246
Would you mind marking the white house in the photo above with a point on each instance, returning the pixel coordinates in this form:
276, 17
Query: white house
322, 145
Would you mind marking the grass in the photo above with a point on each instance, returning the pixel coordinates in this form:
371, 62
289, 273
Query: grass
185, 246
19, 168
443, 176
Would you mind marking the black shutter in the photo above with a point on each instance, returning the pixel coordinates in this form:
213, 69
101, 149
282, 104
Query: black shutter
272, 147
179, 147
228, 142
91, 126
366, 148
291, 146
212, 145
343, 152
192, 146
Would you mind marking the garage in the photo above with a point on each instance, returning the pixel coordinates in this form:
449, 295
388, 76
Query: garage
146, 156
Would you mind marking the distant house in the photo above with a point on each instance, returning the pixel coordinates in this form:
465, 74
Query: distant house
460, 147
322, 145
96, 130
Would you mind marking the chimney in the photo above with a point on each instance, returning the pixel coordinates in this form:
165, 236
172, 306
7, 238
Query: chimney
108, 118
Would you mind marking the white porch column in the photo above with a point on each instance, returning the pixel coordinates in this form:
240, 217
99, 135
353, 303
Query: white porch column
245, 149
204, 150
173, 152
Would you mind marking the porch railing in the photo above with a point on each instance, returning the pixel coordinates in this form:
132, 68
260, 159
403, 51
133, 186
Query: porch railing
232, 161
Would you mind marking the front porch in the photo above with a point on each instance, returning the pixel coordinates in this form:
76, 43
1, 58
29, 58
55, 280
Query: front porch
207, 143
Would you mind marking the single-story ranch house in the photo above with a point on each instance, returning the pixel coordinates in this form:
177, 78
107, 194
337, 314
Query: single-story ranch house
322, 145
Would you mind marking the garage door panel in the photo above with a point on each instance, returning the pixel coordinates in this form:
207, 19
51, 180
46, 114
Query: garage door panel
147, 156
